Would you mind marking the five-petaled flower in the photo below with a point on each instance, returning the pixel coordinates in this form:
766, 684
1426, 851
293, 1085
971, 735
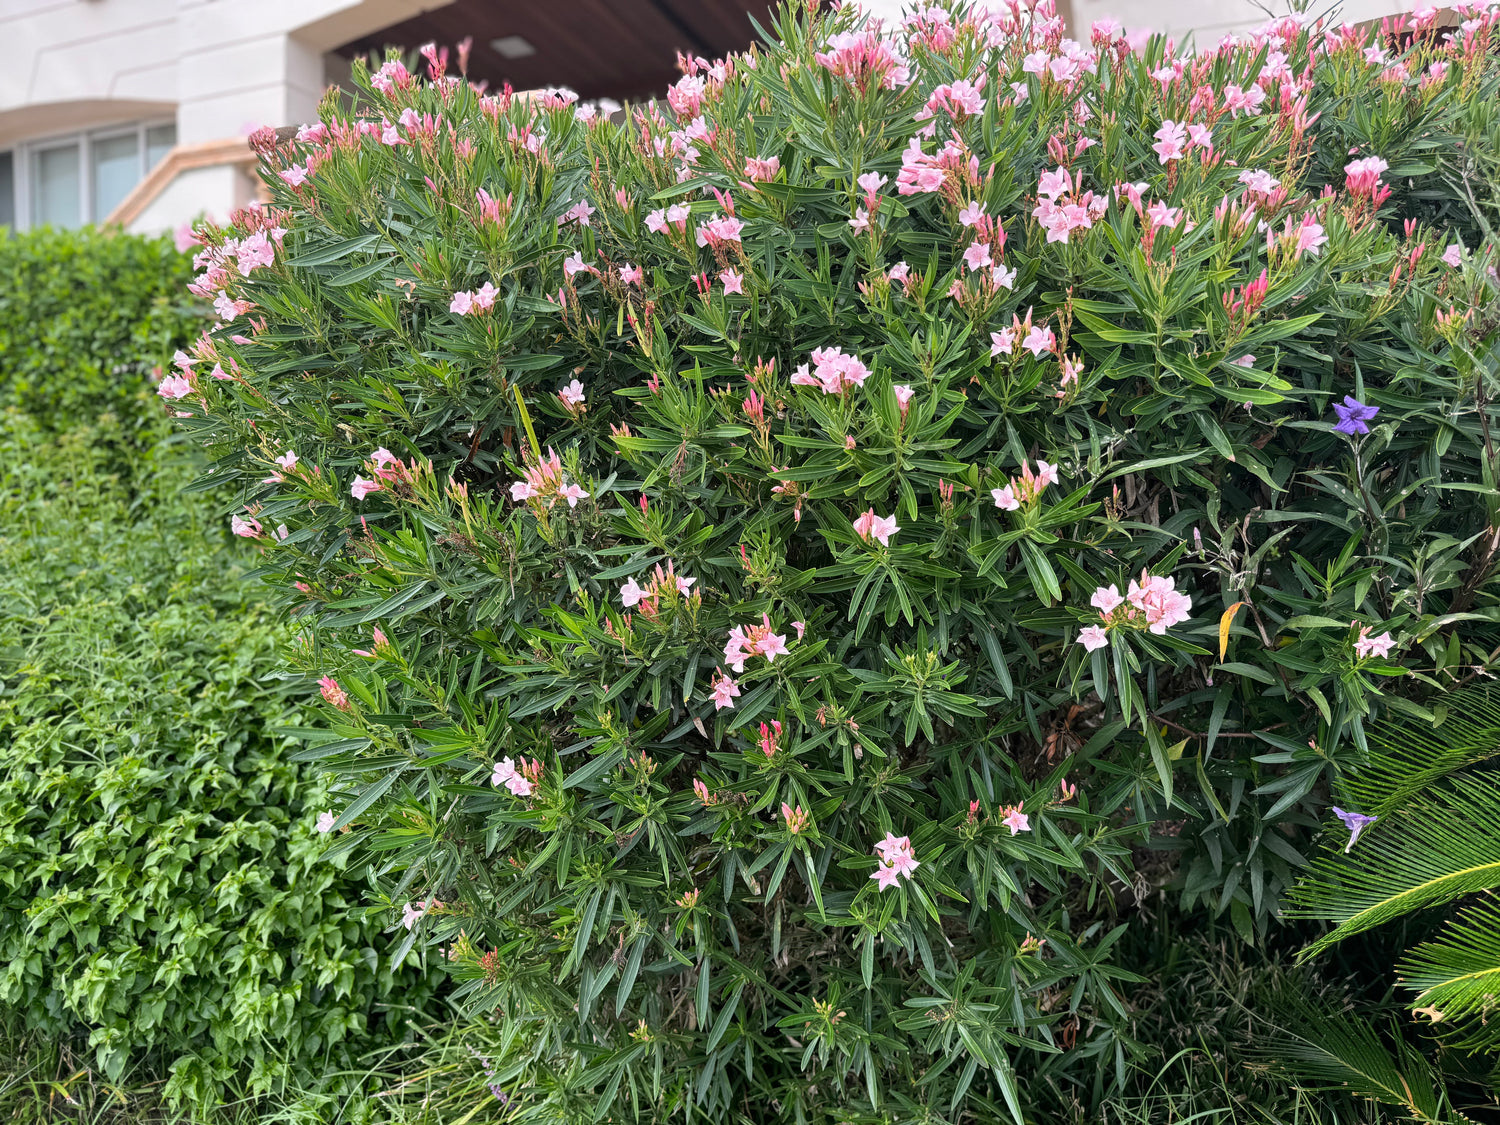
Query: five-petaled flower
1354, 416
870, 526
1355, 822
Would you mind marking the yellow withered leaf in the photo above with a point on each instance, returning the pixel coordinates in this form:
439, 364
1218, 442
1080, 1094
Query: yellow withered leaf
1225, 622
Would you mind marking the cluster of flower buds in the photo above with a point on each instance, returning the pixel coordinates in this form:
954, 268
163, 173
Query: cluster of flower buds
1025, 489
543, 483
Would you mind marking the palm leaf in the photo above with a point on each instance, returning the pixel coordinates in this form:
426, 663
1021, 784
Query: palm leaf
1344, 1052
1407, 756
1457, 976
1437, 848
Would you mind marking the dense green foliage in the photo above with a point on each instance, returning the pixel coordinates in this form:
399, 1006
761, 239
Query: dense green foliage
640, 818
84, 317
164, 896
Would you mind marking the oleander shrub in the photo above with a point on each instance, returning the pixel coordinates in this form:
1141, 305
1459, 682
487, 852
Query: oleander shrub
85, 316
165, 902
789, 572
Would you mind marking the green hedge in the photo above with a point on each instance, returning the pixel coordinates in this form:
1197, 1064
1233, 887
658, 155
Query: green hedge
161, 886
84, 316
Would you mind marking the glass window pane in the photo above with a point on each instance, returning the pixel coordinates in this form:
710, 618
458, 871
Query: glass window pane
7, 190
56, 195
160, 140
117, 169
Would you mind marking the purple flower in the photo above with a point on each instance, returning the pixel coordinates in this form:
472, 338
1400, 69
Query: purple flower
1353, 416
1355, 822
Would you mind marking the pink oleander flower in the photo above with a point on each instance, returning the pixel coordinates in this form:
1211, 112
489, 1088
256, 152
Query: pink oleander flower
1040, 339
770, 738
724, 691
1246, 360
572, 395
579, 213
543, 482
801, 627
897, 859
1160, 215
630, 275
833, 371
1068, 790
1093, 637
870, 526
174, 387
746, 641
977, 256
899, 272
1366, 646
574, 263
1170, 139
507, 774
1454, 255
733, 282
659, 583
246, 527
1005, 498
1362, 177
362, 488
1015, 819
462, 303
255, 251
1261, 182
904, 395
572, 493
763, 171
1248, 100
1107, 599
1157, 597
861, 221
332, 693
1002, 342
412, 913
296, 175
326, 821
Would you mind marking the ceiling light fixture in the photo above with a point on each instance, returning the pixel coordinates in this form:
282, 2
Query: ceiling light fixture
512, 47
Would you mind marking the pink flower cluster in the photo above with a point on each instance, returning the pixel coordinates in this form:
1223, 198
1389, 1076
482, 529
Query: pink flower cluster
544, 483
662, 582
1366, 646
676, 215
477, 301
870, 526
386, 467
1154, 603
521, 779
834, 371
897, 859
1026, 488
1063, 206
1014, 819
865, 58
723, 690
746, 641
1362, 180
922, 172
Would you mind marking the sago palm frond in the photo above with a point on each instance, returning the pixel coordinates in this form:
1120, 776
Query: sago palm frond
1407, 756
1344, 1052
1457, 976
1437, 848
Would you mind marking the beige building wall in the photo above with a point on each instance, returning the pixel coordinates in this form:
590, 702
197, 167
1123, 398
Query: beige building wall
216, 69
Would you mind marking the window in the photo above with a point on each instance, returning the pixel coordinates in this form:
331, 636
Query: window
56, 197
70, 181
116, 165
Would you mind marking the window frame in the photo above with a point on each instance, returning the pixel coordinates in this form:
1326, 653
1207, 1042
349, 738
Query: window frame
23, 158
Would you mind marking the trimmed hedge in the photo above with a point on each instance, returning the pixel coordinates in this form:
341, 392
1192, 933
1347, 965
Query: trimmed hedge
84, 317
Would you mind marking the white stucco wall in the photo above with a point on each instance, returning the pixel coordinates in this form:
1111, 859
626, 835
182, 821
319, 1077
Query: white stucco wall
220, 68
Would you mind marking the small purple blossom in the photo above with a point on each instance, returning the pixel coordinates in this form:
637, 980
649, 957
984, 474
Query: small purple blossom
1353, 416
1355, 822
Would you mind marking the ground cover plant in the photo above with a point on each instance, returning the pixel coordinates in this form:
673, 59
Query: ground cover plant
790, 572
165, 906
